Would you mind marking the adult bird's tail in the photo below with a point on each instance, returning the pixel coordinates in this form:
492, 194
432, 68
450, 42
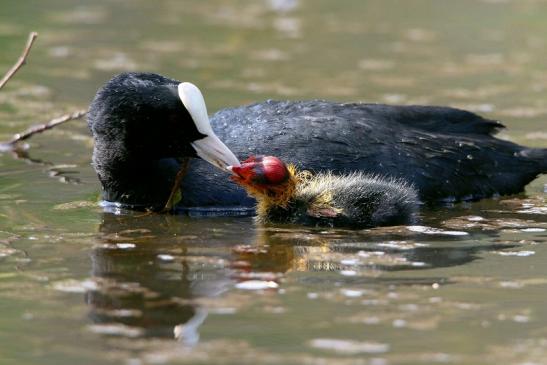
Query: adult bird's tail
538, 155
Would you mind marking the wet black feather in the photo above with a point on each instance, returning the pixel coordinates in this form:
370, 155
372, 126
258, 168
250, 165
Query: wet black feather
140, 126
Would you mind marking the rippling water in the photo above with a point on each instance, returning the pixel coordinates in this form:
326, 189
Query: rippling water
79, 285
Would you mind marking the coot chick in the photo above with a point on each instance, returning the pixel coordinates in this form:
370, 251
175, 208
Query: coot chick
138, 121
356, 200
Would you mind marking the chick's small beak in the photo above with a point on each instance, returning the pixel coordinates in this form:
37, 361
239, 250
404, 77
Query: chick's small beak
244, 171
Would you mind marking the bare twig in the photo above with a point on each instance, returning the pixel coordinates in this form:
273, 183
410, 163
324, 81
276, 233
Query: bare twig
44, 127
21, 61
20, 152
176, 186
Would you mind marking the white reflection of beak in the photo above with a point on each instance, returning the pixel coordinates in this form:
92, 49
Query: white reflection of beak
210, 148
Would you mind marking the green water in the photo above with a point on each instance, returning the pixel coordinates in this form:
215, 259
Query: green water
81, 286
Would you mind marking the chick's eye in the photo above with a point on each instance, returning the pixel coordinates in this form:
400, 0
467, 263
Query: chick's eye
259, 175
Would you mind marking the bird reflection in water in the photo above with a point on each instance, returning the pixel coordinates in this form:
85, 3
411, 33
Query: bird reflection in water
149, 279
161, 275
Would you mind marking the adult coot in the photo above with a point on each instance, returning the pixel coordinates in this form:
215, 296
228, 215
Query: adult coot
142, 124
356, 200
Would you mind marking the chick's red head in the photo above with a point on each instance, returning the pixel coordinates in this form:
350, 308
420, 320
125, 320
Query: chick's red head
261, 171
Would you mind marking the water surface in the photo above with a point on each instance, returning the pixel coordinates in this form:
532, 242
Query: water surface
79, 285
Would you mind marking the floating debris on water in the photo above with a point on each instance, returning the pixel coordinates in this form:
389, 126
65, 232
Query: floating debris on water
125, 246
75, 286
350, 262
516, 253
402, 245
521, 318
533, 229
511, 284
535, 205
352, 293
116, 329
257, 275
348, 272
430, 230
492, 224
250, 249
348, 346
399, 323
370, 253
257, 285
534, 210
116, 246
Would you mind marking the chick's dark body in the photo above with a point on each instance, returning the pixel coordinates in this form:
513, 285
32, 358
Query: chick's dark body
446, 153
356, 200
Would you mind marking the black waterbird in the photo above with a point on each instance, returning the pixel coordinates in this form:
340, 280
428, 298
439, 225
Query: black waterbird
143, 124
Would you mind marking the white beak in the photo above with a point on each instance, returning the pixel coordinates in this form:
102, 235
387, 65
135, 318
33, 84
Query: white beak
210, 148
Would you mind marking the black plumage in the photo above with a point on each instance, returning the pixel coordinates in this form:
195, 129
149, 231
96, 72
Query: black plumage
446, 153
140, 127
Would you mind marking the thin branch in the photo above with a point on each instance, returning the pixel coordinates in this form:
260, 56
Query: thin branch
22, 60
44, 127
176, 186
